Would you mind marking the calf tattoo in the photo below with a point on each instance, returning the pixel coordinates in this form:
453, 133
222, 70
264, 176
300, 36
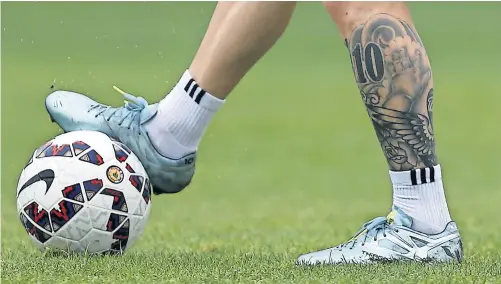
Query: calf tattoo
393, 74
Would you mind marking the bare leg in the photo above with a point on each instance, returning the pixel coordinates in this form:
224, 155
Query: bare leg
239, 34
393, 73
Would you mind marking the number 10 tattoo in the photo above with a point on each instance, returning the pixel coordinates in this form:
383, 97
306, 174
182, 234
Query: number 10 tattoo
393, 74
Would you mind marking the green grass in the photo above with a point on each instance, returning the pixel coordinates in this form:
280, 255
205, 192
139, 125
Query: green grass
289, 165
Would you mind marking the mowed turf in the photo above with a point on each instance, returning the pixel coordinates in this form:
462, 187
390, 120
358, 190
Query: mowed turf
289, 165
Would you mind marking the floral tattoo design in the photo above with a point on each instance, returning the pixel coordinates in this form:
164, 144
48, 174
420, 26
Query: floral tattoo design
393, 74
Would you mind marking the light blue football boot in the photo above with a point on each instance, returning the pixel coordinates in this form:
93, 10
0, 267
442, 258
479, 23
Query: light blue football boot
74, 111
391, 239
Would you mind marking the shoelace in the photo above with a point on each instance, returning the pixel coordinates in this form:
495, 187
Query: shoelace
371, 228
133, 105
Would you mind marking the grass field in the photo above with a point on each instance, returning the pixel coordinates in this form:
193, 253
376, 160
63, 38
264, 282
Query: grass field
289, 165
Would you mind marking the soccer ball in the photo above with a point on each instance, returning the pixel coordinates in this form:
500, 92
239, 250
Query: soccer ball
84, 192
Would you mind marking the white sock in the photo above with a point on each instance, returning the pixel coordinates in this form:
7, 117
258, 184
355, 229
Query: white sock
183, 115
420, 194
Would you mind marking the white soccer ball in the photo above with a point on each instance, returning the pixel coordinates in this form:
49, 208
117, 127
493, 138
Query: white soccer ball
84, 192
